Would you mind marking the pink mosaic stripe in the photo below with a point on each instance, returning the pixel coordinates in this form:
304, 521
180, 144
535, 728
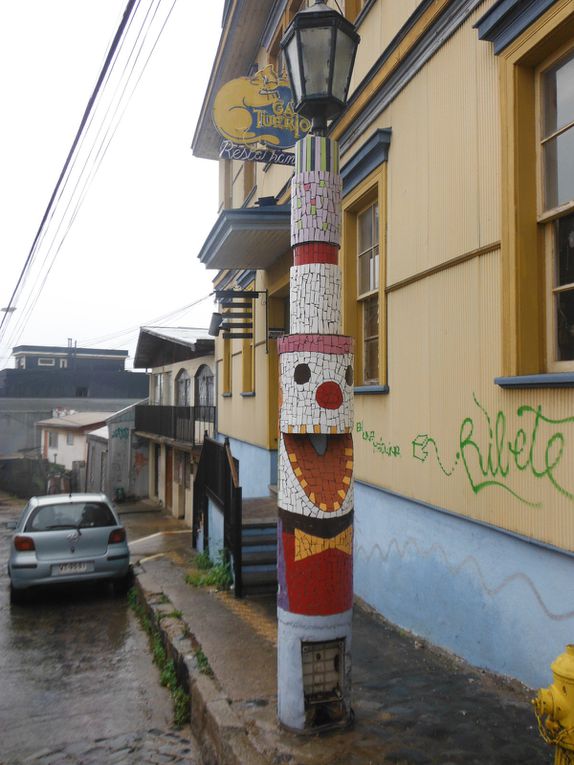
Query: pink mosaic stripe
335, 344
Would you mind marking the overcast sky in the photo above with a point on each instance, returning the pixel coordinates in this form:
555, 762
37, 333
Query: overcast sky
130, 255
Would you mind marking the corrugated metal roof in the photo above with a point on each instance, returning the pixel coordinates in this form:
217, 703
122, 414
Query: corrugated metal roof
166, 345
78, 421
184, 335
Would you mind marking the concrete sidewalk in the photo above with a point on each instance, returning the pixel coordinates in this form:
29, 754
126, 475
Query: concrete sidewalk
413, 704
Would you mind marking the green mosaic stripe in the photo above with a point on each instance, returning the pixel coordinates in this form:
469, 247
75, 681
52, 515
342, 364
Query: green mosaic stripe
316, 153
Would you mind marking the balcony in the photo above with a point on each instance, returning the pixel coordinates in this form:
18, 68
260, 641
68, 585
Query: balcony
186, 424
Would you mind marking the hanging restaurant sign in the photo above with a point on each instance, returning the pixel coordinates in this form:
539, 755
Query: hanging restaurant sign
231, 150
259, 110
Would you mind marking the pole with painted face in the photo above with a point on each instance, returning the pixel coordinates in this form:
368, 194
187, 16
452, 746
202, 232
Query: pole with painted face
315, 498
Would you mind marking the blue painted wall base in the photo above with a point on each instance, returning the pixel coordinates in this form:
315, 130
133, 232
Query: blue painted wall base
497, 601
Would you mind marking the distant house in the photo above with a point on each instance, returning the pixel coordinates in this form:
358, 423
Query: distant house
45, 371
50, 378
117, 458
180, 409
63, 439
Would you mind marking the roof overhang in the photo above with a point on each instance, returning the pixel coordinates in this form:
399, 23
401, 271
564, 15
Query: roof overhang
248, 238
239, 45
156, 347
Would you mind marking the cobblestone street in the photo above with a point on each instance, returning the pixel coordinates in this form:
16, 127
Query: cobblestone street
153, 747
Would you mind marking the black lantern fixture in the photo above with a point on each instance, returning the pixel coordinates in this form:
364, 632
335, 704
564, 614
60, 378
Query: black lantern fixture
320, 47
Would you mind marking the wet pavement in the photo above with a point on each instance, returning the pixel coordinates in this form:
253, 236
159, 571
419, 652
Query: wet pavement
77, 682
413, 704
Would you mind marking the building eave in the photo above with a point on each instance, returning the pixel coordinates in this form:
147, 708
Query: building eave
248, 238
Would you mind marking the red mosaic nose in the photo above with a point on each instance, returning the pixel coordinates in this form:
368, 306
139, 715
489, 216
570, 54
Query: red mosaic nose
329, 395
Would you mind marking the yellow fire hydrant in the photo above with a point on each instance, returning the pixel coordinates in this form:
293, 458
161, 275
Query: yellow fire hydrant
555, 709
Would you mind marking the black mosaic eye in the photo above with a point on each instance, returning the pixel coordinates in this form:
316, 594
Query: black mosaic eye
349, 377
302, 374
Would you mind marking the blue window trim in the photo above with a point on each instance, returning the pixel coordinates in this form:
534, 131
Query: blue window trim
555, 380
371, 154
371, 390
508, 19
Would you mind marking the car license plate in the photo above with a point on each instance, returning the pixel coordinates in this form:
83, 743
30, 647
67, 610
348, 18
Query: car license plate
65, 569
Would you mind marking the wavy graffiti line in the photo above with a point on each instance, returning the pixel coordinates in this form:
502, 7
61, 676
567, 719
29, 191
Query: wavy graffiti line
455, 569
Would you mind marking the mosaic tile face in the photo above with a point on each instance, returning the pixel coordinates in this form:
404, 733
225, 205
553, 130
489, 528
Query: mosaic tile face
317, 392
316, 207
315, 483
315, 299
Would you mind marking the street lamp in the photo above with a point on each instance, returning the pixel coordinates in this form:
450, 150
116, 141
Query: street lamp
320, 47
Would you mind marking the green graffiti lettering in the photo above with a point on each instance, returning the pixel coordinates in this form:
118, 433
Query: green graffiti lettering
377, 444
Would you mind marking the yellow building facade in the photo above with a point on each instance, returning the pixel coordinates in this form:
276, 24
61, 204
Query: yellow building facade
458, 286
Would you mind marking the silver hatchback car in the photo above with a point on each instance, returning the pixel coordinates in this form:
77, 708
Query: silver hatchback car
67, 538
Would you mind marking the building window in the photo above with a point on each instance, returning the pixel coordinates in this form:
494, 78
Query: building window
368, 266
70, 439
53, 439
183, 388
204, 386
63, 363
556, 169
363, 265
537, 122
46, 362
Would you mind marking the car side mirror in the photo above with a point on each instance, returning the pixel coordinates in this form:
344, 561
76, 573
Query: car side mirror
11, 524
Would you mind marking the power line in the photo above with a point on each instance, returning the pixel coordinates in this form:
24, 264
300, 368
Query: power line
107, 62
77, 201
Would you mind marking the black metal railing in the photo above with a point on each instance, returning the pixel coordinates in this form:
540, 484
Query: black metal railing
181, 423
217, 479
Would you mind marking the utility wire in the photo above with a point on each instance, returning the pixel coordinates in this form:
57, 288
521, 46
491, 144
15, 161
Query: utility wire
24, 314
89, 107
102, 150
149, 322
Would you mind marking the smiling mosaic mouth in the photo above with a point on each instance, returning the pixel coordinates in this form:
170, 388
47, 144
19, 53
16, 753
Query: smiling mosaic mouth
323, 467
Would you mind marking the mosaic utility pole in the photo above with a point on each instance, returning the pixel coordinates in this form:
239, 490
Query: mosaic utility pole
315, 498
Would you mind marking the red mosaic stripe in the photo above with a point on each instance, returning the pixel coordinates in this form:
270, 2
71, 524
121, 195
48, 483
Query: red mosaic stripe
331, 575
335, 344
315, 252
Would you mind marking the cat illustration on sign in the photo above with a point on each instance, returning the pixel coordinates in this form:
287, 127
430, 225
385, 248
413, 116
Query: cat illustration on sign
258, 109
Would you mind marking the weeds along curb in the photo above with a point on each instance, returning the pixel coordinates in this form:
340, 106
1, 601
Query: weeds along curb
218, 729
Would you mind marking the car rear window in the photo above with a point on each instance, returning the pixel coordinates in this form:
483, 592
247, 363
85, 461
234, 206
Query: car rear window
81, 515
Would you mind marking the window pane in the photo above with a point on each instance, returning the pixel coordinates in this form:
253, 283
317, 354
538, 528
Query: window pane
364, 273
565, 251
371, 366
365, 230
371, 317
559, 169
565, 324
559, 96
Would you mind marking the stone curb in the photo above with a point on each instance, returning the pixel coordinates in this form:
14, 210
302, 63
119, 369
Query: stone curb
216, 725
